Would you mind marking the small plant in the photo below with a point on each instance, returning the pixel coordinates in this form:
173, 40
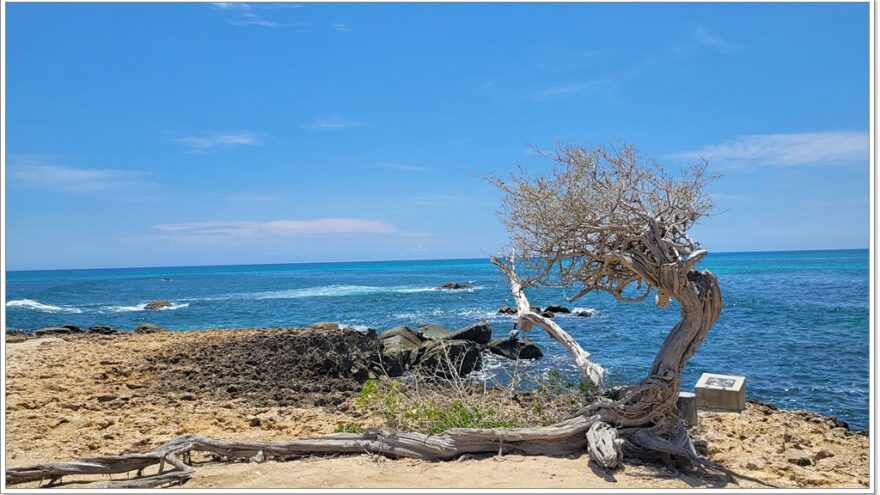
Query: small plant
349, 428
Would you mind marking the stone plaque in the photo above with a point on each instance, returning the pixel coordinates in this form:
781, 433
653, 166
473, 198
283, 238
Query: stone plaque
721, 392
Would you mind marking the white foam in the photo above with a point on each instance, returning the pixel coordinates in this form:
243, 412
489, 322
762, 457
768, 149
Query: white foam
584, 310
140, 307
38, 306
355, 327
333, 291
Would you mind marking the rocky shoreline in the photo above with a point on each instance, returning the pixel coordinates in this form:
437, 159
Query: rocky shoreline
77, 394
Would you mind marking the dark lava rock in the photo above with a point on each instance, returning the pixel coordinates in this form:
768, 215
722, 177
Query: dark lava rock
583, 314
148, 328
507, 310
157, 304
555, 308
73, 328
455, 286
102, 330
449, 358
515, 349
41, 332
271, 367
432, 331
480, 333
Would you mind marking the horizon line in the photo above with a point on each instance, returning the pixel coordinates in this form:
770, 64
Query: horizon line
374, 261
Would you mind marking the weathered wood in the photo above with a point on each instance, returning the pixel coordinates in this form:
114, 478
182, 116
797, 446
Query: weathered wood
527, 318
604, 445
563, 438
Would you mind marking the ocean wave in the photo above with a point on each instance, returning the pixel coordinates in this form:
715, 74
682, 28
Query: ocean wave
140, 307
333, 291
356, 327
583, 310
38, 306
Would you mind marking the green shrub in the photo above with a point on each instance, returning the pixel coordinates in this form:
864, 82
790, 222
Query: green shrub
349, 428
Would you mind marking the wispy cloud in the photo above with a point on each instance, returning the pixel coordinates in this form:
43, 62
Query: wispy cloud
204, 143
277, 228
340, 27
249, 18
576, 87
246, 14
809, 148
230, 6
405, 168
333, 123
604, 86
36, 173
703, 36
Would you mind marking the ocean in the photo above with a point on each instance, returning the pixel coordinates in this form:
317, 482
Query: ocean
796, 324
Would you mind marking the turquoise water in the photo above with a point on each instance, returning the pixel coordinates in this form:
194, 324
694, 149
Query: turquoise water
795, 323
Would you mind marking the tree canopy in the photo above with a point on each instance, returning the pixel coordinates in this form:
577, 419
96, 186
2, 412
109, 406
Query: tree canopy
603, 218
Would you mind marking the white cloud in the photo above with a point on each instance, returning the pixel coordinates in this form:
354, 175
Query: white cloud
333, 123
34, 173
277, 228
340, 27
703, 36
249, 18
405, 168
221, 140
230, 6
809, 148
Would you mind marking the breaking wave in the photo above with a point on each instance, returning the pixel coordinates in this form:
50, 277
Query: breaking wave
38, 306
140, 307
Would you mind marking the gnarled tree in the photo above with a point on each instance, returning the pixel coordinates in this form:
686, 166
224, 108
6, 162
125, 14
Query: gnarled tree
602, 221
606, 220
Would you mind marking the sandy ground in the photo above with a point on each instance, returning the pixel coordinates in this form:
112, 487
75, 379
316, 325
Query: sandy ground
83, 396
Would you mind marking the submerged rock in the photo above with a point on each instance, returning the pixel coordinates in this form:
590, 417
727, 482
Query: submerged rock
583, 314
455, 286
555, 308
514, 348
507, 310
157, 304
479, 333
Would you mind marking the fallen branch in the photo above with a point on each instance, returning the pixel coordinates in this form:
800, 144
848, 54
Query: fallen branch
563, 438
527, 318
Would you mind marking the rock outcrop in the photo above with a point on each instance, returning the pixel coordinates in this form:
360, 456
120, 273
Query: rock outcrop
514, 348
455, 286
157, 304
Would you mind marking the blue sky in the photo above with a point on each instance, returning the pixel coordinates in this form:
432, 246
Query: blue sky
180, 134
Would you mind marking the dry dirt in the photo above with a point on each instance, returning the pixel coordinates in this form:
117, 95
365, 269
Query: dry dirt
80, 396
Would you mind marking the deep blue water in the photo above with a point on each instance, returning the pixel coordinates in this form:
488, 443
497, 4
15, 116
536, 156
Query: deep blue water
794, 323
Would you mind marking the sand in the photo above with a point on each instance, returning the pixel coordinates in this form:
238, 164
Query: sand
72, 397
